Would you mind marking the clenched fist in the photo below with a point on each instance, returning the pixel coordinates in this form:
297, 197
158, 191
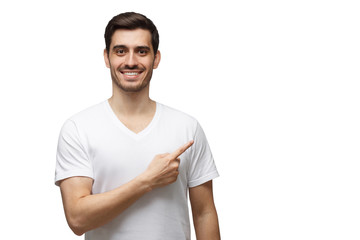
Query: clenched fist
164, 168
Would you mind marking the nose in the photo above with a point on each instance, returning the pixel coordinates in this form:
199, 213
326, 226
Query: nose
130, 60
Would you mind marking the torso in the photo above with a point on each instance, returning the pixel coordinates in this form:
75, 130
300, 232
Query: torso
136, 122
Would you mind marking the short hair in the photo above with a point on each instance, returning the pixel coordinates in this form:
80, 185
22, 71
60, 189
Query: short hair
131, 21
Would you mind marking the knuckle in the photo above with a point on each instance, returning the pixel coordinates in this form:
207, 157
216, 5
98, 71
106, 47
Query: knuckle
175, 166
174, 179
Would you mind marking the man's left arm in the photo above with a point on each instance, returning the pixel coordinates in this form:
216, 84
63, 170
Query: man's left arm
204, 212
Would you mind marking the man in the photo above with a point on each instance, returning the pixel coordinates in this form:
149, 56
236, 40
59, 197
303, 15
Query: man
126, 165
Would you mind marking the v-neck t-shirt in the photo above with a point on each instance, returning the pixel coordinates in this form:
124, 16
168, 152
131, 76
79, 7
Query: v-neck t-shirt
96, 144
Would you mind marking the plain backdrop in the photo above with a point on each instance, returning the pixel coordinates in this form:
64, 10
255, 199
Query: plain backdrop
275, 85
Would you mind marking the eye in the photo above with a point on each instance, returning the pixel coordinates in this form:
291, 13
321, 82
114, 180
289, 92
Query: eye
143, 52
120, 51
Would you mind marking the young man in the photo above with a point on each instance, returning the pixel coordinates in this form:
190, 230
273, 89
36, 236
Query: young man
126, 165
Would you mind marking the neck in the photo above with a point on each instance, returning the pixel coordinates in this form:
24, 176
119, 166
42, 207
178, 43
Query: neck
131, 103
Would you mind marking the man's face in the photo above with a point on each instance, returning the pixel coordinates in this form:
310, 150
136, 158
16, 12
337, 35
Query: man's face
131, 59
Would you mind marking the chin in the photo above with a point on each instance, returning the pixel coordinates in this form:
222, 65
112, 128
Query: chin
130, 87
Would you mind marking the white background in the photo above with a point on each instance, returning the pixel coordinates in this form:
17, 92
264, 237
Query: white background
275, 85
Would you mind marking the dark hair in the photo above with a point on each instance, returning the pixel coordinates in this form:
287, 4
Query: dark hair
131, 20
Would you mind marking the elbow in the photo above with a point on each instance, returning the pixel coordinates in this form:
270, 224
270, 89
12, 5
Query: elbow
77, 231
76, 226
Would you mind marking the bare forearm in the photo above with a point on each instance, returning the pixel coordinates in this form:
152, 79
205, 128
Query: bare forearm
93, 211
207, 226
85, 211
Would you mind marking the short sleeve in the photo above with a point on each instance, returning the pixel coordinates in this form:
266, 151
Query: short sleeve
71, 157
202, 166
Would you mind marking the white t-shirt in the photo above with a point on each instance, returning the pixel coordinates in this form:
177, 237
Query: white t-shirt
94, 143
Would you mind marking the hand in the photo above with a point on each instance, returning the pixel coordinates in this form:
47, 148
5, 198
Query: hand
164, 168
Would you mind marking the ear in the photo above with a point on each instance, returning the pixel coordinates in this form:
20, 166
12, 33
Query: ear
106, 58
157, 59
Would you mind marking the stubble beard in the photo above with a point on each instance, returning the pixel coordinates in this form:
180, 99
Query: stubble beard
129, 89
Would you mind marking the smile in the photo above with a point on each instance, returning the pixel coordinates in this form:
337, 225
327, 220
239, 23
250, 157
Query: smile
131, 73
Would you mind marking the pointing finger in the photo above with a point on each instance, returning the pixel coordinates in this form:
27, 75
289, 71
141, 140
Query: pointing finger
181, 150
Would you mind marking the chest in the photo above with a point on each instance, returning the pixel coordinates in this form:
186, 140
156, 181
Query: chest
136, 124
117, 158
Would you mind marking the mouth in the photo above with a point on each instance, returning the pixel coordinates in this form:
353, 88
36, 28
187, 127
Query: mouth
131, 74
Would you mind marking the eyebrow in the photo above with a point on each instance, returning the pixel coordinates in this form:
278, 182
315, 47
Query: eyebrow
119, 46
138, 47
144, 48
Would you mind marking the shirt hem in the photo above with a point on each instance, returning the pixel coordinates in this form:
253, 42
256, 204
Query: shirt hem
203, 179
78, 173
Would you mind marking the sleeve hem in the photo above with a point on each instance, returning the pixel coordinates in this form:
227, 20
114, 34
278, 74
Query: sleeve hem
203, 179
77, 173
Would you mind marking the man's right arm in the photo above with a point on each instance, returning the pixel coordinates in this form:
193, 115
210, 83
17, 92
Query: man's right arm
86, 211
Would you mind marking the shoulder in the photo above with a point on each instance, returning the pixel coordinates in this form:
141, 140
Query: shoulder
177, 117
87, 117
89, 113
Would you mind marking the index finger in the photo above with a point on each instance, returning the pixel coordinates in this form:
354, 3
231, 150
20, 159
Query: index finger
181, 150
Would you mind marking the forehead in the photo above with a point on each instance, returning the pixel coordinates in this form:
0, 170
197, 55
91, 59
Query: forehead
131, 38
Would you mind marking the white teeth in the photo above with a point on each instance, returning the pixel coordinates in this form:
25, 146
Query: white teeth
131, 73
